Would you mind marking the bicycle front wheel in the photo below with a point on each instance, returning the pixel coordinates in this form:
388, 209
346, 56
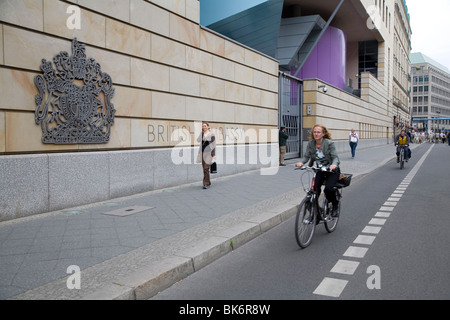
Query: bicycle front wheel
402, 158
330, 222
305, 223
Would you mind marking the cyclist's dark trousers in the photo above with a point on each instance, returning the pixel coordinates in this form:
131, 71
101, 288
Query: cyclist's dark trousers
408, 150
330, 179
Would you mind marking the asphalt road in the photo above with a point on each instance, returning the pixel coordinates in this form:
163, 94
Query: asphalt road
392, 242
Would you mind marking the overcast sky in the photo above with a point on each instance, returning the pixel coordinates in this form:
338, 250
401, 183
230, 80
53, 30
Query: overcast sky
430, 23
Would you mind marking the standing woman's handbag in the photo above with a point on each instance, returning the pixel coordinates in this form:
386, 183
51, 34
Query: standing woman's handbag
213, 167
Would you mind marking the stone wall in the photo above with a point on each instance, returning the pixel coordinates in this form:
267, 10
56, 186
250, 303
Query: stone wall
340, 111
168, 74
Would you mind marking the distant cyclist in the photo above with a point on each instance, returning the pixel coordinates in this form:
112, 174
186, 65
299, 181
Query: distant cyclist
402, 140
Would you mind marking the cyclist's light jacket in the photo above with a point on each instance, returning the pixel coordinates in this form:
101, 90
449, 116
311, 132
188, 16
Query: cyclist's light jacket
328, 154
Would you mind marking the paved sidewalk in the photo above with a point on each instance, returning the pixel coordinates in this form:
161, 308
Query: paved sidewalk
134, 247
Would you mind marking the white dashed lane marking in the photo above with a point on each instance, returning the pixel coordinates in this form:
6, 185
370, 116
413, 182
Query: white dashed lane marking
363, 239
371, 229
382, 214
345, 267
377, 221
355, 252
333, 287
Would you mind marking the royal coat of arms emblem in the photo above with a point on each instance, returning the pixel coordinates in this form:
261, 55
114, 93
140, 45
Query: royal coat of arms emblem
74, 101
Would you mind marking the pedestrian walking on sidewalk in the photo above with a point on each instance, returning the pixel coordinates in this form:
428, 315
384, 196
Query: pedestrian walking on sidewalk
207, 153
323, 151
353, 139
282, 138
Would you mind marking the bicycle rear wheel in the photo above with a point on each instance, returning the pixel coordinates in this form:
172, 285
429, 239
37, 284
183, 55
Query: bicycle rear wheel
305, 223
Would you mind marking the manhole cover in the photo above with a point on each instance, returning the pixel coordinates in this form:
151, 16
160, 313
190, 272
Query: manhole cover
127, 211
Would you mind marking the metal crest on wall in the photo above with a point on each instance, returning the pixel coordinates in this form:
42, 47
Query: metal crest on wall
74, 101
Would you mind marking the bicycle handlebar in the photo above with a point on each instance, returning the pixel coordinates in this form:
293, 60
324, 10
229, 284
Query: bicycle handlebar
322, 168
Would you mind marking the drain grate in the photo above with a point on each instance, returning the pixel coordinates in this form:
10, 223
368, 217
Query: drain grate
123, 212
73, 212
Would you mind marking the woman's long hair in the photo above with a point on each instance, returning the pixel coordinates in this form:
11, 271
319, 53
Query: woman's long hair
326, 135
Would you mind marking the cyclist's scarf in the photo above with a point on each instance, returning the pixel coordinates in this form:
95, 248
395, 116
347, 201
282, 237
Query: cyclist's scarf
320, 158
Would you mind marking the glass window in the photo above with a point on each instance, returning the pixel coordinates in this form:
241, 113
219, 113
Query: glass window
368, 58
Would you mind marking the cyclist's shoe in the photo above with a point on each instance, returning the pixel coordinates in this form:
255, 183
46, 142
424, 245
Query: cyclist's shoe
335, 211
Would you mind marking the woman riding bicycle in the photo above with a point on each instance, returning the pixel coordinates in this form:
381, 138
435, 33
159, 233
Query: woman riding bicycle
322, 150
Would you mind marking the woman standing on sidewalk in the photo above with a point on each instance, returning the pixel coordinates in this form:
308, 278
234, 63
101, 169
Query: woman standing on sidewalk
322, 150
353, 141
207, 152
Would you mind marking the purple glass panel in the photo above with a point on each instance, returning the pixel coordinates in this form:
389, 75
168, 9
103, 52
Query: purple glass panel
327, 62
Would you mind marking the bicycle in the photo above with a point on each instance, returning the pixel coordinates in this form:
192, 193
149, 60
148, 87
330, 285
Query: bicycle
401, 159
310, 213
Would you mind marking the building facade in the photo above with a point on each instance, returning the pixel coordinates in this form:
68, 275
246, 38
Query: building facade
430, 94
358, 51
159, 72
402, 66
103, 99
